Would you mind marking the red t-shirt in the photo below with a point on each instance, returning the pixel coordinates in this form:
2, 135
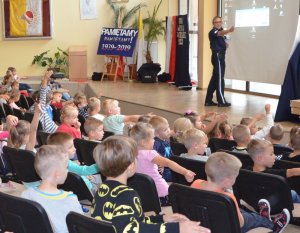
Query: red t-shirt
70, 130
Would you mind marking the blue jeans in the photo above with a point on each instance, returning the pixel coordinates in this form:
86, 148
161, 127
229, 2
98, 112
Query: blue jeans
253, 220
295, 197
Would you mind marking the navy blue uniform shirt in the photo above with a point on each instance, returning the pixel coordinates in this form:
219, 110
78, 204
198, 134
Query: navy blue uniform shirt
217, 43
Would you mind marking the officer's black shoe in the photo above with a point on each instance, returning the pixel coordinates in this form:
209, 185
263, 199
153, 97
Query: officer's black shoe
211, 103
226, 104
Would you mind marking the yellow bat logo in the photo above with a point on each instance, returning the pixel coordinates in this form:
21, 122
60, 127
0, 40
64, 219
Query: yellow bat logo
98, 218
132, 227
138, 205
162, 228
108, 209
103, 190
116, 191
123, 210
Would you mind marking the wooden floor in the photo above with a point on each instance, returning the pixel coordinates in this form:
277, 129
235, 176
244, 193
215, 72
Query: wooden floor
168, 97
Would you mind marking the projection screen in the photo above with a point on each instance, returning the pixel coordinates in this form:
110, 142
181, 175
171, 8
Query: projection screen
264, 36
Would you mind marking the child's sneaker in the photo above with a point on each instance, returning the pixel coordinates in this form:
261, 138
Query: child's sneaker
264, 208
281, 221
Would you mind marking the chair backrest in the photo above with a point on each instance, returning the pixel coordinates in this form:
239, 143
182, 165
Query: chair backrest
78, 223
216, 144
20, 215
81, 119
244, 158
8, 110
178, 148
145, 187
22, 163
84, 150
77, 185
28, 116
107, 134
279, 149
18, 113
41, 137
197, 167
214, 210
23, 102
252, 186
2, 112
56, 114
293, 181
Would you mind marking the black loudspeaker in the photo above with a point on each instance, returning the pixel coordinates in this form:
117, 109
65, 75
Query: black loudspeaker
147, 73
96, 76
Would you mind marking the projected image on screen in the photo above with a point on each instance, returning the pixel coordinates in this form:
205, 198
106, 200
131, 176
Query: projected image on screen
255, 17
263, 39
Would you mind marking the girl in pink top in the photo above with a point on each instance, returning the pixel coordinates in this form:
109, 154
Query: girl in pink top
148, 160
70, 123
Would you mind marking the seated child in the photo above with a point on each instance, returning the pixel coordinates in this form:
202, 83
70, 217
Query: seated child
161, 142
295, 155
144, 118
180, 126
57, 97
94, 107
276, 135
116, 157
195, 142
4, 96
114, 121
148, 159
23, 86
93, 129
80, 102
23, 134
261, 152
197, 120
222, 130
70, 123
66, 141
251, 123
7, 81
15, 86
15, 97
221, 170
241, 135
51, 165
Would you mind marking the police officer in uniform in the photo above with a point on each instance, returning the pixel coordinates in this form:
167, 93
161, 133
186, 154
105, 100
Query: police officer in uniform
218, 47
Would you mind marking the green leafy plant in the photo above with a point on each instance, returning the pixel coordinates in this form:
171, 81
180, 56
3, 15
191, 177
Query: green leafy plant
58, 62
156, 28
122, 16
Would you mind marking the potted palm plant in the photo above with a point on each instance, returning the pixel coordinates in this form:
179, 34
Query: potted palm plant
156, 28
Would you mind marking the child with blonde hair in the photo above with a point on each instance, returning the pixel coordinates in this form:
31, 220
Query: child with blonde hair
114, 121
15, 97
149, 159
162, 142
70, 123
116, 157
23, 134
242, 137
221, 170
195, 142
180, 126
94, 107
93, 129
51, 165
262, 154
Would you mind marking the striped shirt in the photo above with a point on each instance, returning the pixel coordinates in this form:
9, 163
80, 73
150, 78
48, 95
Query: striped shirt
48, 124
